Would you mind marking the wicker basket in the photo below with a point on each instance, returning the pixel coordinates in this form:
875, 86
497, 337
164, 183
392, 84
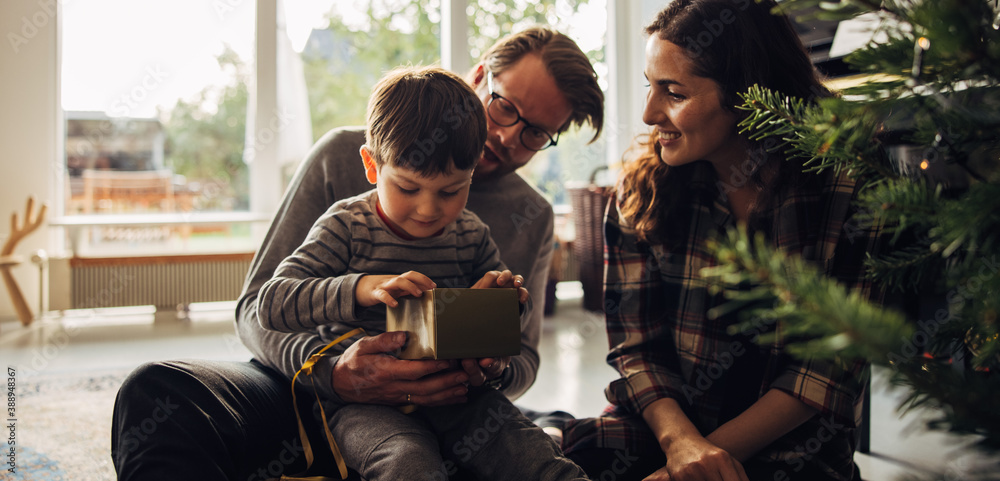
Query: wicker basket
589, 203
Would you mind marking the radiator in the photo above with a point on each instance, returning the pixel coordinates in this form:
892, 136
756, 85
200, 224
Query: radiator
162, 281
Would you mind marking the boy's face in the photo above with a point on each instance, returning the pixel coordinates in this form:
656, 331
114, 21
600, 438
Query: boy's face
421, 206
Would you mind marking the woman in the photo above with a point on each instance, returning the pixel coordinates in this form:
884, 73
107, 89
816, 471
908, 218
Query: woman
695, 402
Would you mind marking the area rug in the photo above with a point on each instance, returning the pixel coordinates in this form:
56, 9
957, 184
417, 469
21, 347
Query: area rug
63, 426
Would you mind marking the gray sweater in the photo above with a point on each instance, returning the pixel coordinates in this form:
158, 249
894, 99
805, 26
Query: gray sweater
314, 287
520, 221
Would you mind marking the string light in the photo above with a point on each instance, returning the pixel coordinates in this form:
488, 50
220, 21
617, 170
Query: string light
919, 47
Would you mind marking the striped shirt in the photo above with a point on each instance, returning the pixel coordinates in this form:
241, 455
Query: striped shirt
664, 345
314, 287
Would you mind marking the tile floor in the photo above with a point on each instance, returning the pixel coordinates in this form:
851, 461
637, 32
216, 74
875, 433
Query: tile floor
572, 376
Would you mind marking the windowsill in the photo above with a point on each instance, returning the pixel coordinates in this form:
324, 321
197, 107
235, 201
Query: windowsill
160, 218
78, 226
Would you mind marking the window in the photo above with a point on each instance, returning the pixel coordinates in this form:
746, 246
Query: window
361, 40
144, 95
155, 101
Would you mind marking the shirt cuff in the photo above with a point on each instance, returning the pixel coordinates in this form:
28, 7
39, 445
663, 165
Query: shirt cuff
322, 378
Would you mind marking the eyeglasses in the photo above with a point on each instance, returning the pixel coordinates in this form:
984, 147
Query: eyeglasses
504, 113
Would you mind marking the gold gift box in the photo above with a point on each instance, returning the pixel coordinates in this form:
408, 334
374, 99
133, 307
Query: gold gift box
454, 323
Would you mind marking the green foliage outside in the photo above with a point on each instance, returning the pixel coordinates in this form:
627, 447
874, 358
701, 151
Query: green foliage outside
205, 140
344, 61
205, 135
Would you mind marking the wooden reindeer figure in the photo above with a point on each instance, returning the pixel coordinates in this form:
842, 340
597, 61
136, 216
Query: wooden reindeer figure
8, 260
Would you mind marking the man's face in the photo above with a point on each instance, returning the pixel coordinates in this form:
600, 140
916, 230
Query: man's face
534, 93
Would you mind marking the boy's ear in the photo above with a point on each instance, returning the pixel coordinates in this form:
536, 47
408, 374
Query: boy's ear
371, 169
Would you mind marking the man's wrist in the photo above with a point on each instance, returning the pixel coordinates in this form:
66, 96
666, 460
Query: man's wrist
500, 381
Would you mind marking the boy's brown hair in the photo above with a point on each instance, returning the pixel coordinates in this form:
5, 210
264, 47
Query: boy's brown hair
425, 119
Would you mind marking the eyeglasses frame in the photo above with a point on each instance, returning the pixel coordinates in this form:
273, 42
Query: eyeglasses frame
517, 113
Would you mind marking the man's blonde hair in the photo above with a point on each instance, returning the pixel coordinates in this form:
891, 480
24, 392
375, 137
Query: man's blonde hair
575, 76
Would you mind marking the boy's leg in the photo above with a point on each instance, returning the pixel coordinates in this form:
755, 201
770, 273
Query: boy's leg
205, 420
380, 442
492, 438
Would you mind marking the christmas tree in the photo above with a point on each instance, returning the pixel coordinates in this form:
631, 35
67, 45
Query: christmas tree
922, 134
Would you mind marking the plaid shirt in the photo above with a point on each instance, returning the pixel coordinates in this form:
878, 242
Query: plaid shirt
664, 345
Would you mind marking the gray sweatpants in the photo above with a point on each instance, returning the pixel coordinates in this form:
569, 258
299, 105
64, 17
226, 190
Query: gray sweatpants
487, 437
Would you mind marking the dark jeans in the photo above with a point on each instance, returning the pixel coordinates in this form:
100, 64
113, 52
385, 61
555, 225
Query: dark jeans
211, 420
612, 464
643, 455
205, 420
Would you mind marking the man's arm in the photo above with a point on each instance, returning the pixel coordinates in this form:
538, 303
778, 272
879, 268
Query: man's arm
326, 175
521, 224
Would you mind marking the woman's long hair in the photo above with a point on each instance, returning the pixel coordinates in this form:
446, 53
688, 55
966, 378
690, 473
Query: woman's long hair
736, 43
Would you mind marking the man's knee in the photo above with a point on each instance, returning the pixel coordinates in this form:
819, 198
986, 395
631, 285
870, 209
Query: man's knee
152, 377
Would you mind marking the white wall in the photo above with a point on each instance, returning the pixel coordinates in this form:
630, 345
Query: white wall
30, 126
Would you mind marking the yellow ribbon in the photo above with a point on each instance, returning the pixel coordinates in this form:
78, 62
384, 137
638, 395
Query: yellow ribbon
307, 368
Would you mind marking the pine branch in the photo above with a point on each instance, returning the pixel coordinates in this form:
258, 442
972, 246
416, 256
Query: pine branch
966, 403
907, 268
832, 135
902, 205
970, 223
822, 320
838, 323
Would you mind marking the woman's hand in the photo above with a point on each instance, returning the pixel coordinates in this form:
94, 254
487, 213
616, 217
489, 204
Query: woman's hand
372, 290
696, 459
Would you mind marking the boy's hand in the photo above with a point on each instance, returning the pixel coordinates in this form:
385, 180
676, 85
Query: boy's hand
385, 289
503, 279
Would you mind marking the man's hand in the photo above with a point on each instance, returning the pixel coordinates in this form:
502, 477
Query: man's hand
482, 370
367, 373
372, 290
503, 279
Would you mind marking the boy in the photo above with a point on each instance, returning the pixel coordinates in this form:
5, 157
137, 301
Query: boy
426, 131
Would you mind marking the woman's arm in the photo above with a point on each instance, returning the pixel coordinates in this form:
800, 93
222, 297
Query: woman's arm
775, 414
690, 456
718, 455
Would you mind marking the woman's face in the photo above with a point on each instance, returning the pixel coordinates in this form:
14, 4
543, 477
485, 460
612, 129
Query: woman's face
686, 111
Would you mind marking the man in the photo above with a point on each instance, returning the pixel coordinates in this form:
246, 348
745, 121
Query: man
234, 420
